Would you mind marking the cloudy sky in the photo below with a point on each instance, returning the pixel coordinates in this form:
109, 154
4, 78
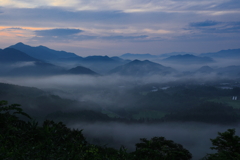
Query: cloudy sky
115, 27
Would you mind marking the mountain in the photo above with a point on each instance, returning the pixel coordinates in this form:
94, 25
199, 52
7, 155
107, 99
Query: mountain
118, 59
165, 55
138, 56
98, 59
188, 59
35, 101
17, 63
205, 69
101, 64
81, 70
230, 53
11, 55
230, 71
43, 53
142, 68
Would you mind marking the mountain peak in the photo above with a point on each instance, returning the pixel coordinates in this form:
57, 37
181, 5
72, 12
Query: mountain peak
81, 70
42, 52
20, 44
189, 59
142, 68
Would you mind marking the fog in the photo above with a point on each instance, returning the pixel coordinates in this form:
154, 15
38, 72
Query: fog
193, 136
91, 88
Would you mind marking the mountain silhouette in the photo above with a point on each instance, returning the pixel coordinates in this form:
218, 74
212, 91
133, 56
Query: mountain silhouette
188, 59
43, 53
81, 70
138, 56
18, 63
142, 68
230, 53
205, 69
11, 55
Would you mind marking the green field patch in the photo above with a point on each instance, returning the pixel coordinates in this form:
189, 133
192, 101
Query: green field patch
227, 100
150, 114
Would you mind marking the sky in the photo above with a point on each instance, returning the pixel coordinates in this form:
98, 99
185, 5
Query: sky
115, 27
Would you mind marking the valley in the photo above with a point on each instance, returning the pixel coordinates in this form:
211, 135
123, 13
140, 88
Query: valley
111, 95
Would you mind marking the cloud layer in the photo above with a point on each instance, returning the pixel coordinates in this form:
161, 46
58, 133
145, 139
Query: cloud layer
122, 26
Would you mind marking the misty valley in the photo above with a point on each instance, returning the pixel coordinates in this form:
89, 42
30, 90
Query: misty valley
115, 101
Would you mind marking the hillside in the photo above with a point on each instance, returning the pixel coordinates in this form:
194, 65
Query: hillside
142, 68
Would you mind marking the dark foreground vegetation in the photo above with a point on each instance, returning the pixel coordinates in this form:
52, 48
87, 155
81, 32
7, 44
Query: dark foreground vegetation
22, 138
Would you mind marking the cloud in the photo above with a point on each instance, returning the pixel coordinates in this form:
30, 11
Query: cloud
230, 4
73, 37
206, 23
139, 6
58, 32
120, 37
23, 64
215, 27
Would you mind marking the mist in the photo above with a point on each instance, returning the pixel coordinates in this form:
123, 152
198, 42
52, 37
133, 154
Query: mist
193, 136
114, 92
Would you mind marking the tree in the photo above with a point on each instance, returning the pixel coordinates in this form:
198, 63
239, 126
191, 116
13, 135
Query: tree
159, 148
227, 145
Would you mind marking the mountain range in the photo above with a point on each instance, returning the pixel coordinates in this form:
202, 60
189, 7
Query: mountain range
23, 60
142, 68
100, 64
43, 53
230, 53
188, 59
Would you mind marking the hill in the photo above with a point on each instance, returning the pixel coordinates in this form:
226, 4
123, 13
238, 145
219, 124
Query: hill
138, 56
81, 70
11, 55
188, 59
142, 68
230, 53
17, 63
43, 53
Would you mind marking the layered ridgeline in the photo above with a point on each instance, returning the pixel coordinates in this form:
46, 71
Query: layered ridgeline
21, 59
14, 62
99, 64
142, 68
43, 53
230, 53
188, 59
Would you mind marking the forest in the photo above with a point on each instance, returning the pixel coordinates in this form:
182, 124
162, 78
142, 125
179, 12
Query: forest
22, 137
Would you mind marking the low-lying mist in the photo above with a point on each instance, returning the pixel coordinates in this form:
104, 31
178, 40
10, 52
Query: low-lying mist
193, 136
99, 89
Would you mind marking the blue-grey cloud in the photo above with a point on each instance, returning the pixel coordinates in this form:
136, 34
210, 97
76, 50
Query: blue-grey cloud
215, 27
52, 17
120, 37
59, 32
231, 4
206, 23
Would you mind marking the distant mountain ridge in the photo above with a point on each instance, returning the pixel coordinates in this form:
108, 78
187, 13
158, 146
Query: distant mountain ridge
142, 68
42, 52
17, 63
230, 53
188, 59
81, 70
138, 56
11, 55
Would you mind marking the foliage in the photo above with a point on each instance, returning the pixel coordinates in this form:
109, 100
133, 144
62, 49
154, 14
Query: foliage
160, 148
208, 112
22, 138
227, 145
